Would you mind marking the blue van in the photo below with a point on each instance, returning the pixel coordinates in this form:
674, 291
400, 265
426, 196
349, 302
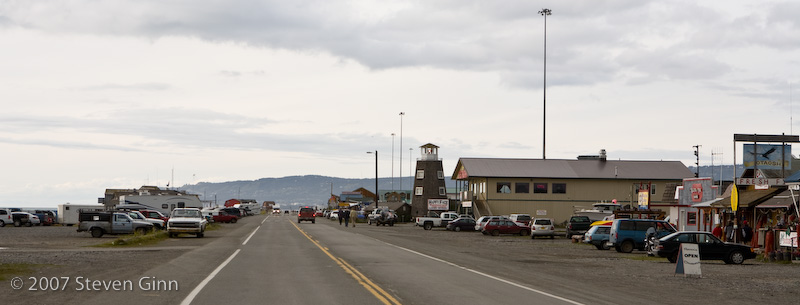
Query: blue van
627, 234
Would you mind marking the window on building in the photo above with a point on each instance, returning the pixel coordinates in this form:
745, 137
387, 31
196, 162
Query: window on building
440, 175
442, 191
559, 188
653, 189
504, 187
522, 187
418, 191
691, 218
420, 174
540, 188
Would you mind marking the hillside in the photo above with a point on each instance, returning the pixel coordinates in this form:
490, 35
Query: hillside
298, 190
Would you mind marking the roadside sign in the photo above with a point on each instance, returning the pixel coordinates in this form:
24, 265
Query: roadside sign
760, 181
688, 260
438, 204
734, 198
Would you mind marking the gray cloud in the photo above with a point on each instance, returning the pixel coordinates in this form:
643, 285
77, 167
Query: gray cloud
586, 40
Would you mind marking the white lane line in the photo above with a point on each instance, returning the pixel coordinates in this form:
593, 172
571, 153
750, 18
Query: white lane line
265, 219
489, 276
251, 235
189, 298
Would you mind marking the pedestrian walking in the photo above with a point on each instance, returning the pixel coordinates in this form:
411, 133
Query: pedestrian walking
353, 216
729, 233
747, 233
340, 215
346, 216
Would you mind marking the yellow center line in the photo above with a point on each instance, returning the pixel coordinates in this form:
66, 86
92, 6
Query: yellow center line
376, 290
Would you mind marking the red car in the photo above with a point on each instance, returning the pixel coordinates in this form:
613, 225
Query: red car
223, 216
504, 226
154, 214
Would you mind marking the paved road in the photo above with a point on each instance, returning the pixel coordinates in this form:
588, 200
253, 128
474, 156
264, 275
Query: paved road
274, 260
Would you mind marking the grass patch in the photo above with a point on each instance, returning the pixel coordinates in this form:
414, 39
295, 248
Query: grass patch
8, 270
136, 240
213, 226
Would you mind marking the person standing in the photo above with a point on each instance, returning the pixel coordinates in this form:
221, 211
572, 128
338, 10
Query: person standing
747, 233
346, 216
340, 215
717, 231
729, 233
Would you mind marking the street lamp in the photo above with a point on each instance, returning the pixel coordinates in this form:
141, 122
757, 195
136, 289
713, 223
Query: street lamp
401, 149
376, 177
401, 174
544, 12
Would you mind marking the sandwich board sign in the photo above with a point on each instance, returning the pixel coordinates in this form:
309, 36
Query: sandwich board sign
688, 260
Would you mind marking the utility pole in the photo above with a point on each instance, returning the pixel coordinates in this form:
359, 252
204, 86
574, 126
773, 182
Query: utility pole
697, 163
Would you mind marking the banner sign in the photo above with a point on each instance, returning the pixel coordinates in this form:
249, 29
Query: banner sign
788, 240
767, 156
438, 204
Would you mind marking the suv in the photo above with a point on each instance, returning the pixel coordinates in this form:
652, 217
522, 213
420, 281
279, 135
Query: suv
627, 234
186, 220
306, 214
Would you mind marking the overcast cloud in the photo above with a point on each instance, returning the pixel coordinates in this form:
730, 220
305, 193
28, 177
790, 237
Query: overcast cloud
121, 92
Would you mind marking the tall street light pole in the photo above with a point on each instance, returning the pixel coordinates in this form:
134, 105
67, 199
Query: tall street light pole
401, 174
376, 178
401, 149
544, 12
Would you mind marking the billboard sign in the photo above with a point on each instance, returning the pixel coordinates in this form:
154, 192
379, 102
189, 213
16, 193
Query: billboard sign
438, 204
696, 190
767, 156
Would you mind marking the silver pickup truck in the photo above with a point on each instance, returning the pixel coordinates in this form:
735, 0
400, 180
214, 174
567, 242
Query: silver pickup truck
100, 223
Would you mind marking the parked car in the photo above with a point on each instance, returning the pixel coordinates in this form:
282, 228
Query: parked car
46, 217
306, 214
629, 234
434, 220
711, 248
598, 236
100, 223
461, 224
496, 227
154, 214
334, 215
521, 218
25, 219
186, 220
578, 225
223, 216
484, 219
542, 227
157, 223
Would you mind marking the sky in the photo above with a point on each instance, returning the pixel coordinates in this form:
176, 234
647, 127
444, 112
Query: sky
120, 94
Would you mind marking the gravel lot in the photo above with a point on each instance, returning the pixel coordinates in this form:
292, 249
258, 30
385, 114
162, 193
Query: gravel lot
558, 264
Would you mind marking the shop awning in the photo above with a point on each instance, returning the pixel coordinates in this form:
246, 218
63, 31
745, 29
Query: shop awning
707, 204
780, 201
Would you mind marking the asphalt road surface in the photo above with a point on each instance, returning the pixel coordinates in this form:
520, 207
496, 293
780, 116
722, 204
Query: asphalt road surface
275, 260
278, 261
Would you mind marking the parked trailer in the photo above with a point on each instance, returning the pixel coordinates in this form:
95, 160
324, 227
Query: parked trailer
68, 213
162, 203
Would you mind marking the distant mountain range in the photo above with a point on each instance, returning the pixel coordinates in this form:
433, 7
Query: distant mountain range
294, 190
315, 190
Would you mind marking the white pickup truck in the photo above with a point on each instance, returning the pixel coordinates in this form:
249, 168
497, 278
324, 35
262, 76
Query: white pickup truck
440, 220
